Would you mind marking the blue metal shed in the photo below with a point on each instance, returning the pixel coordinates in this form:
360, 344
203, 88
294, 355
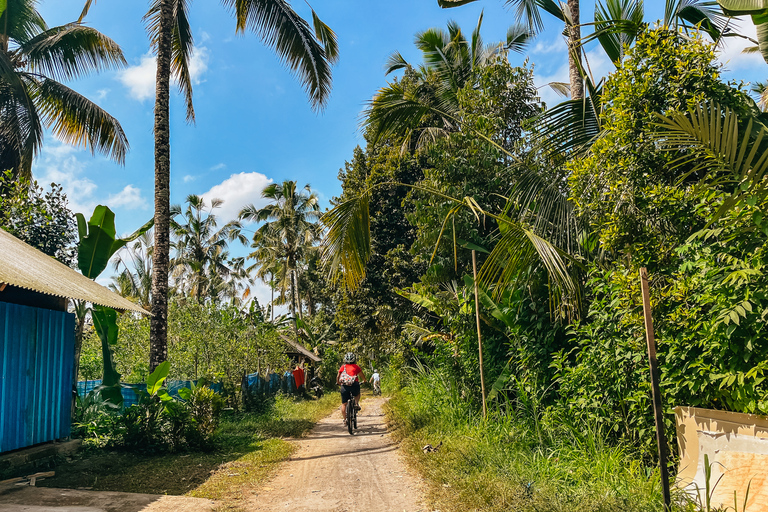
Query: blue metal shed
37, 342
37, 348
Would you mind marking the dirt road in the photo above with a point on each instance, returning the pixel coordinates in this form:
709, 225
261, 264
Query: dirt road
333, 471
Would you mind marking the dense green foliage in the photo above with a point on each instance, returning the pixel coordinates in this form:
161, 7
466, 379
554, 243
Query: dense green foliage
41, 219
244, 342
631, 202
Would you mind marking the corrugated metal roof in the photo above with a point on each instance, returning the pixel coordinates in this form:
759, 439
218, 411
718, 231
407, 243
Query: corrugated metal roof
24, 266
301, 349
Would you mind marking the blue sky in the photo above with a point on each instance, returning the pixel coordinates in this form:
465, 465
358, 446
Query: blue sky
254, 123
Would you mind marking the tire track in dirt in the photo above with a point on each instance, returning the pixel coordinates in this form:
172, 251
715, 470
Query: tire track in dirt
334, 471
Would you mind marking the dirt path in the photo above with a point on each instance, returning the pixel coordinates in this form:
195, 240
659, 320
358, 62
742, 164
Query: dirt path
333, 471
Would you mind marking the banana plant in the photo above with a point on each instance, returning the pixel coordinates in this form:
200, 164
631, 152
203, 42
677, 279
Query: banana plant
98, 243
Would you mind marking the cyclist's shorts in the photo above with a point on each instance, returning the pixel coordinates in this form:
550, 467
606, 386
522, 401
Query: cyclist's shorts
347, 392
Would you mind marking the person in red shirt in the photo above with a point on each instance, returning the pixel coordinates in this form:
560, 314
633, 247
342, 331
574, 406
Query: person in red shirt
349, 378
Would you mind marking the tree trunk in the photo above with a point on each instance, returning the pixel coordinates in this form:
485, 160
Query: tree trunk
293, 305
272, 287
574, 52
297, 294
158, 336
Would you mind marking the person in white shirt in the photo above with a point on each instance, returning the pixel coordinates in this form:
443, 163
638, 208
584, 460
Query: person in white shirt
376, 381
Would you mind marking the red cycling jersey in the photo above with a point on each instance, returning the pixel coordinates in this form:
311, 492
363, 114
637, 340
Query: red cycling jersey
352, 370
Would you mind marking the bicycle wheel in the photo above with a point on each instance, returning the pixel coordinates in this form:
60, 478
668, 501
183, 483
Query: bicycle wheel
351, 417
355, 419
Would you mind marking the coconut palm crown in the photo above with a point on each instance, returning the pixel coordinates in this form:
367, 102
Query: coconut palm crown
34, 61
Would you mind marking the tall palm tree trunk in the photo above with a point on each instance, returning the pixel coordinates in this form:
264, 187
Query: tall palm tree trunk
158, 335
574, 52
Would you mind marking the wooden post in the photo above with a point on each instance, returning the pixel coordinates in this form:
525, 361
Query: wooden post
661, 438
479, 340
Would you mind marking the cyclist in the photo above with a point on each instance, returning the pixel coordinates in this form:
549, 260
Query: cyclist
349, 378
376, 381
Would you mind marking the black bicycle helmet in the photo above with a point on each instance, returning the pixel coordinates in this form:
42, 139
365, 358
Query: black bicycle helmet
350, 358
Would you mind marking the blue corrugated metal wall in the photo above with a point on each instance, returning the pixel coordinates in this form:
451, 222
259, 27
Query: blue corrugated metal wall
36, 355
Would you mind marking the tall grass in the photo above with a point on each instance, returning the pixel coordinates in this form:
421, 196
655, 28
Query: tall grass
517, 459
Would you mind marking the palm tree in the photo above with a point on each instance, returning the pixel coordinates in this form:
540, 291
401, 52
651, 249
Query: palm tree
201, 256
309, 54
424, 105
268, 265
530, 11
34, 61
290, 231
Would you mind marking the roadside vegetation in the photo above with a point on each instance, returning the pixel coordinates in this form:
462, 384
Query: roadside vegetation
466, 181
244, 451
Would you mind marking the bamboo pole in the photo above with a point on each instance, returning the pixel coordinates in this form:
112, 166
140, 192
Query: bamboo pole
661, 438
479, 340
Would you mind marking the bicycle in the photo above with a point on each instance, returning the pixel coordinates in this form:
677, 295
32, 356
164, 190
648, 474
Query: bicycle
376, 389
351, 416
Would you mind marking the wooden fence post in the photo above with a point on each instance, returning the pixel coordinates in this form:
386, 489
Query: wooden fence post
661, 438
479, 341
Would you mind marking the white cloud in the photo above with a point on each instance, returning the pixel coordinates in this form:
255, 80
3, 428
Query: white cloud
129, 198
198, 64
219, 167
60, 164
140, 79
556, 45
101, 94
189, 178
237, 191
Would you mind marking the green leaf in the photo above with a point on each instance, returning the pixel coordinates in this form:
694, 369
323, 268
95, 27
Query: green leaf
157, 377
472, 247
185, 393
419, 299
500, 383
98, 240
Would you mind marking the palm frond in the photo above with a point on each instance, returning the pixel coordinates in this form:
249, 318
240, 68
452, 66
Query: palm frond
182, 46
571, 126
21, 22
542, 205
528, 12
280, 28
346, 248
395, 62
517, 253
21, 131
446, 4
71, 51
326, 36
561, 88
86, 9
397, 110
518, 38
720, 148
76, 120
700, 14
761, 89
617, 23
